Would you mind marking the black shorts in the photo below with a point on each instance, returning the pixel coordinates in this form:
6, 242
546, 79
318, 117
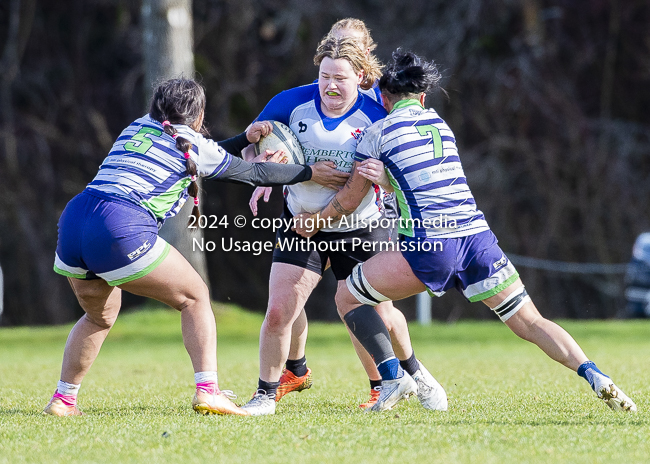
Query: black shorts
344, 249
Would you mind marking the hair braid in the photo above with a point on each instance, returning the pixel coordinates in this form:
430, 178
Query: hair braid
180, 101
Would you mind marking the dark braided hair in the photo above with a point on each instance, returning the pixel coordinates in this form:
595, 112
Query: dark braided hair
409, 75
180, 101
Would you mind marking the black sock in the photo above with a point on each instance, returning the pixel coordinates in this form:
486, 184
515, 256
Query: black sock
374, 384
410, 365
369, 328
269, 387
298, 367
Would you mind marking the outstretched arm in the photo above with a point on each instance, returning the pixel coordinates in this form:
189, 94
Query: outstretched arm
346, 201
265, 174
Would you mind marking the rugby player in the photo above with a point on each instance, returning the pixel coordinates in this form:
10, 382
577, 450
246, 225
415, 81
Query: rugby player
414, 152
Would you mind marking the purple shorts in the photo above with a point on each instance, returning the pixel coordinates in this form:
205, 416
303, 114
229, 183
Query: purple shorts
107, 238
475, 265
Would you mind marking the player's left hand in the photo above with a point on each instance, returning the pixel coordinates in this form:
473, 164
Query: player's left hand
257, 130
304, 224
373, 170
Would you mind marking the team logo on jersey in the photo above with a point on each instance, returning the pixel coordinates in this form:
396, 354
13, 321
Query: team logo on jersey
141, 249
499, 264
302, 126
357, 134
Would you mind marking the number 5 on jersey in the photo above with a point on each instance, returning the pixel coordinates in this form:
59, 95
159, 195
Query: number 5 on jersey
436, 141
144, 141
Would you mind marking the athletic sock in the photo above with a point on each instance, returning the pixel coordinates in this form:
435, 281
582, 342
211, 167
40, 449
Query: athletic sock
208, 381
67, 392
374, 384
67, 389
369, 328
390, 369
588, 370
270, 388
297, 367
410, 365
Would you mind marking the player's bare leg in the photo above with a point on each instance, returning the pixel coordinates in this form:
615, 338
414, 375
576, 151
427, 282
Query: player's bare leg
299, 332
175, 283
528, 324
296, 376
289, 289
101, 303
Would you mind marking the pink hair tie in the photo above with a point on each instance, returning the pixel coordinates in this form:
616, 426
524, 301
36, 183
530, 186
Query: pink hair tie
187, 155
166, 123
193, 178
196, 201
175, 135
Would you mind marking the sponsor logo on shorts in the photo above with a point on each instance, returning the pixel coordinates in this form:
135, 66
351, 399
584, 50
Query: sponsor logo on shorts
499, 264
140, 251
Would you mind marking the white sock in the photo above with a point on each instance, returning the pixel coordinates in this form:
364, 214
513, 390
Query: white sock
65, 388
206, 376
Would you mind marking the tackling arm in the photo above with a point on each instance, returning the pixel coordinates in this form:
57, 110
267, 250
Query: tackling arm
346, 201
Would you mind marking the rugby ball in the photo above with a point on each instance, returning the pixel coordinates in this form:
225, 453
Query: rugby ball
282, 138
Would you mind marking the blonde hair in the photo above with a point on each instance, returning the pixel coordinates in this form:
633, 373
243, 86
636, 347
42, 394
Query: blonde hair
356, 25
347, 48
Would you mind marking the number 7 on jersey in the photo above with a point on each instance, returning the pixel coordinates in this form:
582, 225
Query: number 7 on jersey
436, 141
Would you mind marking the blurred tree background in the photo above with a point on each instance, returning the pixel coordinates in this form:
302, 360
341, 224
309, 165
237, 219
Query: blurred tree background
548, 100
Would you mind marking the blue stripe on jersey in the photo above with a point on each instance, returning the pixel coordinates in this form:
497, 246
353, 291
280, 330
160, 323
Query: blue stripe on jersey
449, 204
404, 147
133, 155
429, 163
399, 125
139, 172
441, 183
170, 151
139, 123
360, 157
221, 168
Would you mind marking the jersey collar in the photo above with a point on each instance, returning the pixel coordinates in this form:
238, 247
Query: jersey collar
404, 103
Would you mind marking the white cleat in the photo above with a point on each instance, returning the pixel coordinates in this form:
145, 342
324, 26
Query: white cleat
261, 404
430, 393
615, 398
392, 391
611, 394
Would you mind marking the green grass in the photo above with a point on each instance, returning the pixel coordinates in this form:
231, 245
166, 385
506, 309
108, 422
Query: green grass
508, 402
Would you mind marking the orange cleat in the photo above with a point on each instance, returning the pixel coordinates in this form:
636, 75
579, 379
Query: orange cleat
218, 403
289, 383
374, 396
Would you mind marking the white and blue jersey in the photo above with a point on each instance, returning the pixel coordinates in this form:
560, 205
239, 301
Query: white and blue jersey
324, 139
373, 92
145, 167
421, 159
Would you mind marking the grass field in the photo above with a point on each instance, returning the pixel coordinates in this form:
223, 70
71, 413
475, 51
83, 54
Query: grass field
507, 401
